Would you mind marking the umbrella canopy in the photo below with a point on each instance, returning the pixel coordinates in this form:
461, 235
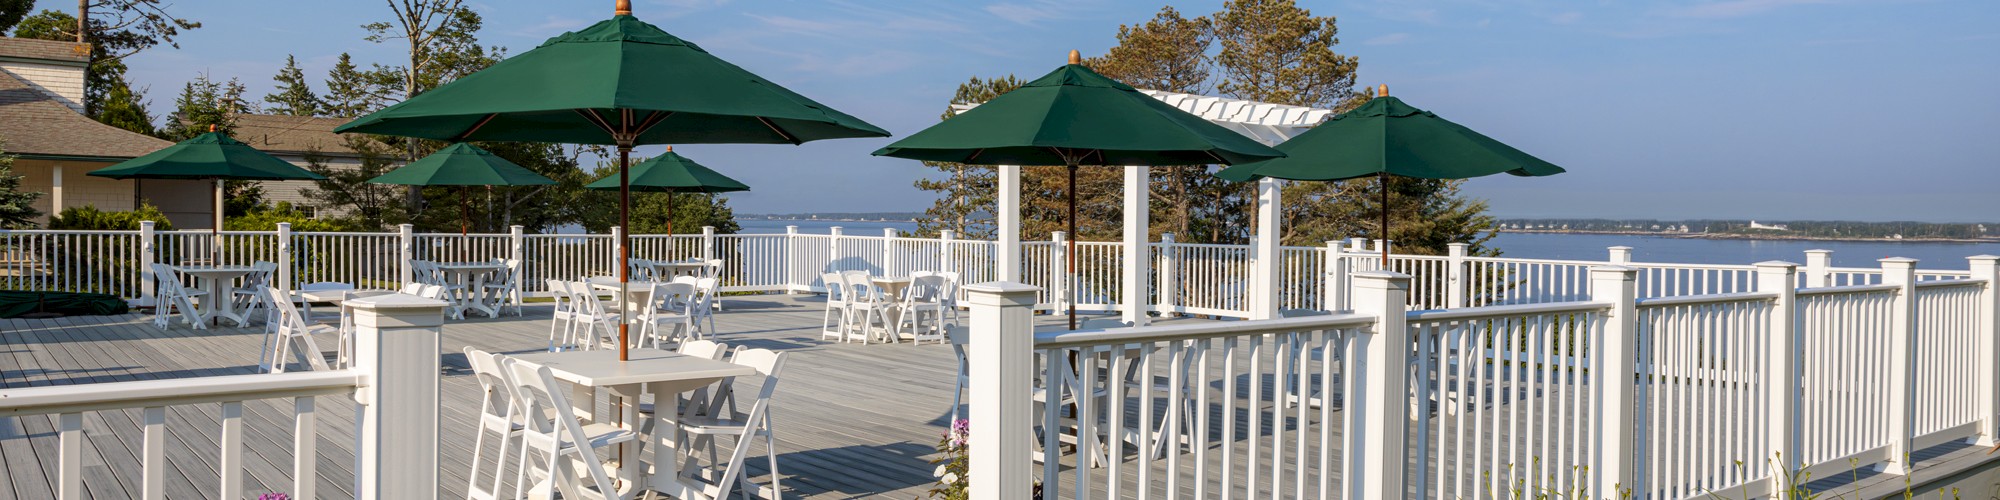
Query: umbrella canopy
463, 165
672, 173
1074, 116
621, 82
207, 156
577, 87
1384, 138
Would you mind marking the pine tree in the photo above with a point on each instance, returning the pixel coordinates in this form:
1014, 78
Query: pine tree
202, 104
294, 95
17, 210
349, 94
1170, 53
125, 108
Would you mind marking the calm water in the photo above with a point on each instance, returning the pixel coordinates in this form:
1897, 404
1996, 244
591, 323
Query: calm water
1931, 255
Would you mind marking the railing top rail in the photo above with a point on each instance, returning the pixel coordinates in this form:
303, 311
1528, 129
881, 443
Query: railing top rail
69, 231
1191, 331
1831, 290
1949, 283
342, 233
1507, 311
1208, 245
1512, 260
170, 392
1714, 298
1671, 265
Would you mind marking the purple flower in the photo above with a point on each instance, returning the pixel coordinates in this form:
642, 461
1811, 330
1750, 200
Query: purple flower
274, 496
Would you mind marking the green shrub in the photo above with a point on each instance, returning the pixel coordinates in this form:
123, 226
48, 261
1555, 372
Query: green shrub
267, 219
89, 218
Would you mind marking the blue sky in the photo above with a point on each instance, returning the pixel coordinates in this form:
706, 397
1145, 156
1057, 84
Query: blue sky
1772, 109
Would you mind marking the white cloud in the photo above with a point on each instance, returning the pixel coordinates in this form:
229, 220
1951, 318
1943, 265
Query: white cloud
1735, 8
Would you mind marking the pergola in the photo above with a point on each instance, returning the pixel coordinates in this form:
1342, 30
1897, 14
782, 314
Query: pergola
1266, 122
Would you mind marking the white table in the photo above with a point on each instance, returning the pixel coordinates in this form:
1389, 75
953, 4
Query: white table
221, 294
662, 373
471, 280
667, 270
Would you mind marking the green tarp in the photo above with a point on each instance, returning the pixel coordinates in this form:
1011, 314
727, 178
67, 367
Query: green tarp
14, 303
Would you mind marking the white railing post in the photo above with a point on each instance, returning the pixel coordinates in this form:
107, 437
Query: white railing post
707, 242
1454, 295
1613, 360
406, 251
396, 349
1134, 288
1166, 276
947, 258
1377, 385
889, 251
1819, 268
284, 274
1000, 357
1986, 357
1621, 254
1337, 289
1059, 274
1357, 244
794, 283
146, 259
1902, 371
1781, 378
1007, 224
833, 251
517, 245
1265, 270
618, 250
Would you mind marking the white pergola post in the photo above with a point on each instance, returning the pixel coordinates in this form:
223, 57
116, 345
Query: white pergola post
1138, 264
1007, 225
1264, 254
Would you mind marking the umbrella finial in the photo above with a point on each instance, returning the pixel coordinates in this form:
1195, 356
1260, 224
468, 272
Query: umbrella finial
211, 127
1382, 90
1075, 57
670, 149
624, 8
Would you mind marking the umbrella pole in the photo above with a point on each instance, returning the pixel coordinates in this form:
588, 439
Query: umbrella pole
624, 250
215, 232
464, 220
1382, 178
1069, 273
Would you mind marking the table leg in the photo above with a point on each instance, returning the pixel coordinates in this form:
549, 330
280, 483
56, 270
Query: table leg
208, 303
666, 456
225, 301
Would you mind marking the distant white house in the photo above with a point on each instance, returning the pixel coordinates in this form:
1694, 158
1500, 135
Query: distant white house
1773, 227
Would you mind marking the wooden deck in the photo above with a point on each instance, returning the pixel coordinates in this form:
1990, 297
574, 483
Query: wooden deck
853, 420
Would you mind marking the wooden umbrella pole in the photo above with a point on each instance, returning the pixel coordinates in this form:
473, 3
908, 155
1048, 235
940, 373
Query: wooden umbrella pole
624, 236
1382, 178
464, 223
1069, 274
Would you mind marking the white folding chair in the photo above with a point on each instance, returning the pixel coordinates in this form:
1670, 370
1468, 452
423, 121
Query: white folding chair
706, 303
923, 310
597, 317
505, 288
673, 305
712, 269
704, 349
951, 291
250, 296
563, 322
498, 414
564, 443
703, 430
834, 324
294, 335
867, 307
171, 297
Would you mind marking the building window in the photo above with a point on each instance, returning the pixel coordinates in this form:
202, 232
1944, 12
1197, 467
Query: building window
311, 212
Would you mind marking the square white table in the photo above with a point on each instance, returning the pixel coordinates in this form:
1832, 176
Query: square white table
663, 373
471, 280
221, 294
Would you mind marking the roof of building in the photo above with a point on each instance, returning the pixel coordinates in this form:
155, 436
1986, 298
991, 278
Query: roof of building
36, 125
48, 50
292, 134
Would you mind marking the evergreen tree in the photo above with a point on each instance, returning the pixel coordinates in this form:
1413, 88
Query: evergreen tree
966, 202
17, 209
368, 205
1170, 53
202, 104
349, 94
294, 95
12, 11
125, 108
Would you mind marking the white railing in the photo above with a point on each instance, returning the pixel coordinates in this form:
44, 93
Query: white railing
393, 382
1186, 278
1612, 394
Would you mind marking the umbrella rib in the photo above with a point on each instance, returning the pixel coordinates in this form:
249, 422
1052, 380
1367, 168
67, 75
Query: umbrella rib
591, 116
475, 127
781, 132
651, 119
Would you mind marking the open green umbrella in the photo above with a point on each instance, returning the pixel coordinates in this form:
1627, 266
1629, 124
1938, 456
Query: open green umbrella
211, 156
1384, 138
672, 173
463, 165
619, 82
1074, 116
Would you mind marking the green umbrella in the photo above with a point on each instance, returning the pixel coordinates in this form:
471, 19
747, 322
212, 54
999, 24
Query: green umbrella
210, 156
672, 173
1074, 116
1386, 137
463, 165
620, 82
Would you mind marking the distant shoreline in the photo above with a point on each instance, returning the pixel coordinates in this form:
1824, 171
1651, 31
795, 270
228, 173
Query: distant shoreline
1725, 236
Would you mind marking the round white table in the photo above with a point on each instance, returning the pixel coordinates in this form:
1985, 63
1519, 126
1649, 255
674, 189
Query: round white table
217, 281
471, 280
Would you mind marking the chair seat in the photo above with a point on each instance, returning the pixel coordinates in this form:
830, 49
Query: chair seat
713, 426
599, 434
194, 292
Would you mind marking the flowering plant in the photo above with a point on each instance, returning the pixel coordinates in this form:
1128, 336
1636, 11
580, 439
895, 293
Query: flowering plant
274, 496
951, 467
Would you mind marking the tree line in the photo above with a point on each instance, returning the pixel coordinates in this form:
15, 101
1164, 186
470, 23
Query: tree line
1260, 50
442, 42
